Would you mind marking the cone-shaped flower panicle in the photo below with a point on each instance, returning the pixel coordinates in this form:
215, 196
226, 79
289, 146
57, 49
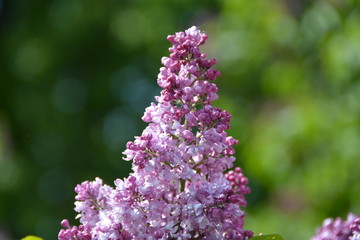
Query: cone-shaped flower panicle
178, 189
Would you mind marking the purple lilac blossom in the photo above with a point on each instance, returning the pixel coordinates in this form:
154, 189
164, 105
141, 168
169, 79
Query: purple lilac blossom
337, 229
178, 189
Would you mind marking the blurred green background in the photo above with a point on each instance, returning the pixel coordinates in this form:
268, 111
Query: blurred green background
77, 75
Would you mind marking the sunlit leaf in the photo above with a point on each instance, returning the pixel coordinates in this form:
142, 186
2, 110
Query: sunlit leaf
31, 238
268, 237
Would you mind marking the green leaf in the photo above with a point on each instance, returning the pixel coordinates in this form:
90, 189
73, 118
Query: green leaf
268, 237
30, 237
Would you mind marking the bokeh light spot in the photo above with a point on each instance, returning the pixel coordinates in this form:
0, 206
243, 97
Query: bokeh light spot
118, 128
30, 60
129, 27
65, 14
129, 86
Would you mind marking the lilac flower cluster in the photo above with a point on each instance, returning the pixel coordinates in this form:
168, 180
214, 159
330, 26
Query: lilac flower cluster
178, 189
239, 185
337, 229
